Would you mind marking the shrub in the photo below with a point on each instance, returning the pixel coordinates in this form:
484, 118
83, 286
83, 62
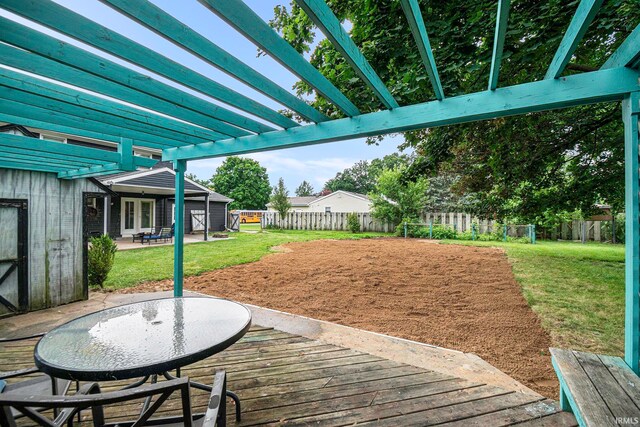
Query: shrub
441, 233
101, 255
353, 224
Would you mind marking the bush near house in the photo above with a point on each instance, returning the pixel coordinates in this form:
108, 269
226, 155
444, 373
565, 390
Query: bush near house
352, 222
101, 255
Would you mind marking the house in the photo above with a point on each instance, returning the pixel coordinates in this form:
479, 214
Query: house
338, 201
145, 201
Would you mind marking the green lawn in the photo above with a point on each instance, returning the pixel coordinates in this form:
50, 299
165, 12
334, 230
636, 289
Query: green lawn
577, 290
250, 227
139, 265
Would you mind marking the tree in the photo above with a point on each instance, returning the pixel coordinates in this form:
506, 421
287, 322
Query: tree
361, 177
243, 180
194, 178
396, 199
517, 166
280, 199
304, 189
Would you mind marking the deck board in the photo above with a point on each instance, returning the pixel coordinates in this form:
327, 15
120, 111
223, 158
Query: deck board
288, 379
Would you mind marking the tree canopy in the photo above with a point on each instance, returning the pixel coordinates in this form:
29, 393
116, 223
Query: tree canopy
525, 166
395, 199
243, 180
304, 189
362, 177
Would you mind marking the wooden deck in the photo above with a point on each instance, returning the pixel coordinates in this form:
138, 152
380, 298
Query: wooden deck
288, 379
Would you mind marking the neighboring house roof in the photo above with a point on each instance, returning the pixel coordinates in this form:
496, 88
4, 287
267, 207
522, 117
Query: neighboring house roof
160, 181
307, 200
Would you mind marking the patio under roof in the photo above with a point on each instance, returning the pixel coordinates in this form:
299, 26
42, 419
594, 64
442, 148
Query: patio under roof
142, 111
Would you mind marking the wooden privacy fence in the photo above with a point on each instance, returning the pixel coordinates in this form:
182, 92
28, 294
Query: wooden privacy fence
323, 221
599, 231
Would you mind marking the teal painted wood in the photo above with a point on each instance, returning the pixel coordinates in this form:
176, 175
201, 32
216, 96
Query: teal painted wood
24, 114
63, 107
125, 150
11, 151
585, 88
587, 10
37, 146
57, 50
180, 167
29, 165
25, 156
328, 23
628, 54
20, 59
68, 130
566, 395
157, 20
90, 171
419, 30
502, 20
630, 111
59, 18
245, 21
26, 83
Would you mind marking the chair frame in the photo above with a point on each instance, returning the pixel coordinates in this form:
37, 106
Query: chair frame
89, 396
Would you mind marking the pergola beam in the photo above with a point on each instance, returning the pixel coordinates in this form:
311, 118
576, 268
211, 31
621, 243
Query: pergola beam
419, 30
155, 123
587, 10
165, 25
323, 17
628, 54
59, 18
31, 115
248, 23
26, 61
82, 60
502, 19
32, 165
597, 86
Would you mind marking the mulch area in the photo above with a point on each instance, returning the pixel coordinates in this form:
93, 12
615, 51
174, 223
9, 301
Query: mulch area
458, 297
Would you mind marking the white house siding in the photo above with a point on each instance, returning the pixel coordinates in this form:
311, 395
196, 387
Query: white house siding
55, 235
340, 202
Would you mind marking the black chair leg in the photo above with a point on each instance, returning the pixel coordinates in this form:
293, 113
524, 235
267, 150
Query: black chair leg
236, 400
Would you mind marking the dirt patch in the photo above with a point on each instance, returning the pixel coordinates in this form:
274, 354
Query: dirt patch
458, 297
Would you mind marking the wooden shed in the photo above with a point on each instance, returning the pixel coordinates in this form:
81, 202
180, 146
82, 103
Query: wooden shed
43, 244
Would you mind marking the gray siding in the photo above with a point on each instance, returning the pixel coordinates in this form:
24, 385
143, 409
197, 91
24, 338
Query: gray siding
55, 242
217, 214
161, 180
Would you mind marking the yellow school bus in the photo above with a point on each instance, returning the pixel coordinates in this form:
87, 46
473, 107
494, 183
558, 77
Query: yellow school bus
249, 217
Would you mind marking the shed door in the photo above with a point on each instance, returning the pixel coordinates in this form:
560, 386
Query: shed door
13, 256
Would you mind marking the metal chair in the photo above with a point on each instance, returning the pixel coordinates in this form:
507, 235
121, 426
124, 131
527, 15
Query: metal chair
40, 384
90, 397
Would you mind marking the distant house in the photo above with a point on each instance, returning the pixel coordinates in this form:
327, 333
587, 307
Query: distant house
338, 201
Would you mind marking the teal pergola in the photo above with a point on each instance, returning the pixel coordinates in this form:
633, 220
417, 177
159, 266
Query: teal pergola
90, 96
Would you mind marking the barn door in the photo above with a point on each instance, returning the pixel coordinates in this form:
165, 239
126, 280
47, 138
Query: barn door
197, 220
234, 221
14, 286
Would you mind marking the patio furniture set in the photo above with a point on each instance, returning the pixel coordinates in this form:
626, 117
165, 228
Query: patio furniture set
143, 341
165, 234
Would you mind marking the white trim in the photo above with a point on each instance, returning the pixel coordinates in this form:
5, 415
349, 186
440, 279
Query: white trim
366, 199
170, 190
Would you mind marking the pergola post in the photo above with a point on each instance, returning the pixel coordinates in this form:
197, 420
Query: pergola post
630, 111
179, 166
206, 217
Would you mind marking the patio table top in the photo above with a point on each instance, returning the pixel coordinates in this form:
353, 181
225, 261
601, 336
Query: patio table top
140, 339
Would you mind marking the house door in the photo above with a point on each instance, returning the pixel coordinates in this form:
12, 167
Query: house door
138, 215
14, 286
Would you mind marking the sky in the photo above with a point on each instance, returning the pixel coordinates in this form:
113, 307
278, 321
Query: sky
315, 164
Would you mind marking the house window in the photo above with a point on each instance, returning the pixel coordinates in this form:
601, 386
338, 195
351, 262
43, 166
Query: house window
327, 209
129, 215
53, 138
145, 214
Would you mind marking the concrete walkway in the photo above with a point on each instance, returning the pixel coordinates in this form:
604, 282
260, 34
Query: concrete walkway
125, 243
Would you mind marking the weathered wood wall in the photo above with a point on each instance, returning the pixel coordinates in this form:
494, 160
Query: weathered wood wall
55, 256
